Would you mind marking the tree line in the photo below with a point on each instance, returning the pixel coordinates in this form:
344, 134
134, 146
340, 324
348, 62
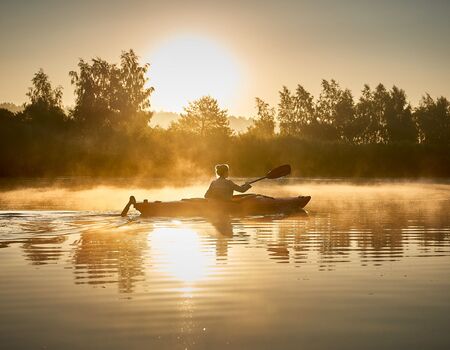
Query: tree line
107, 132
380, 116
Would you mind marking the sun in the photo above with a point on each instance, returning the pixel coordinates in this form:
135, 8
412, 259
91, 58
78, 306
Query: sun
185, 68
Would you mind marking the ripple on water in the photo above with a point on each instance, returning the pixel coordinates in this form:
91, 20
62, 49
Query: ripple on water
351, 269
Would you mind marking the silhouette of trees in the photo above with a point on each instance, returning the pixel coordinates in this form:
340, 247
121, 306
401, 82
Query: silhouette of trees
107, 132
45, 106
42, 92
384, 116
11, 107
203, 117
264, 124
368, 116
380, 116
398, 117
329, 119
433, 120
33, 139
6, 116
112, 96
305, 112
286, 116
296, 113
335, 112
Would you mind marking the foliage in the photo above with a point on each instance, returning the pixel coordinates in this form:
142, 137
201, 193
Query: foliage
203, 117
288, 123
45, 106
42, 93
112, 96
380, 116
264, 124
107, 132
433, 120
11, 107
398, 118
296, 113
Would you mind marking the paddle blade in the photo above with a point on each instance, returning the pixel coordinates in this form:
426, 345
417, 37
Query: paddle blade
132, 201
280, 171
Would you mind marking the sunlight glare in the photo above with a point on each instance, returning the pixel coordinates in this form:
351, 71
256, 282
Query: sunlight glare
188, 67
181, 254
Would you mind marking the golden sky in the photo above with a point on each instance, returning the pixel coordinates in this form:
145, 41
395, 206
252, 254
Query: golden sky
233, 50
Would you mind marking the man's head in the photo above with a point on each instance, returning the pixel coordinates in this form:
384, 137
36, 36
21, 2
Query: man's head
222, 170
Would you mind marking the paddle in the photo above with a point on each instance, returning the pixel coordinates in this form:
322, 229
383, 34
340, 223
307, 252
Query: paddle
127, 207
276, 173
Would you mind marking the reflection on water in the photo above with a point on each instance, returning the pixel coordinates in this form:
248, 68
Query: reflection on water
104, 249
255, 282
102, 257
179, 252
41, 251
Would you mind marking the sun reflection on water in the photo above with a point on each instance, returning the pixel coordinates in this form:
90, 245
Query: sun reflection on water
178, 252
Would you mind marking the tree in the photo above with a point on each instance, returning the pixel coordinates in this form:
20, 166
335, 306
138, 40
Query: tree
369, 121
45, 105
304, 111
6, 116
114, 96
304, 106
203, 117
433, 120
296, 113
398, 116
95, 85
335, 112
42, 93
384, 116
134, 101
11, 107
264, 124
286, 115
379, 101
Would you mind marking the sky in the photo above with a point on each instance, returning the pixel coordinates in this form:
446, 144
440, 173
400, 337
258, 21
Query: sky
232, 50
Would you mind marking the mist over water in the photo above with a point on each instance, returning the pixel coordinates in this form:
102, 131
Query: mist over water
112, 194
366, 267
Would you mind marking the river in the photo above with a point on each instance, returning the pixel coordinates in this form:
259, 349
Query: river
367, 266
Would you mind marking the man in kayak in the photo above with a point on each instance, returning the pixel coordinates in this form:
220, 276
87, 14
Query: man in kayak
222, 188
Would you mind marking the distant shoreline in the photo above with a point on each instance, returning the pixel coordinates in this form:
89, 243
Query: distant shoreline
172, 157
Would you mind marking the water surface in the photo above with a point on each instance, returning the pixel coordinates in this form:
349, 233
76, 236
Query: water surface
367, 267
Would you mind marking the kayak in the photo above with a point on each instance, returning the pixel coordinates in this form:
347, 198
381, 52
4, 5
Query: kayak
241, 205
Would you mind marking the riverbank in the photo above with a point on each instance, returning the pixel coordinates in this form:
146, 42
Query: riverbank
162, 155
